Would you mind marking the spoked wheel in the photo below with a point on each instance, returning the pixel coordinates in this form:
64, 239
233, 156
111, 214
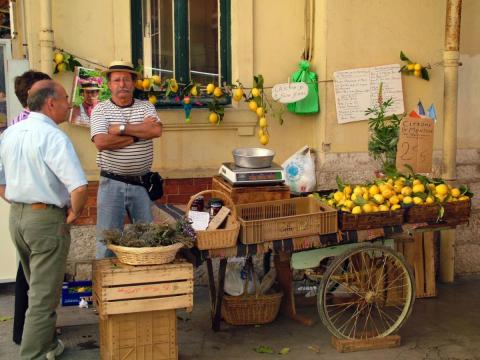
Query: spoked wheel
367, 292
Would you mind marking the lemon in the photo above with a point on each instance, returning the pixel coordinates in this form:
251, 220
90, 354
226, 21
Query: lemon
260, 111
358, 190
417, 200
213, 118
383, 207
264, 139
255, 92
139, 84
441, 189
262, 122
373, 190
58, 58
429, 200
406, 190
417, 67
367, 208
395, 207
252, 105
400, 197
387, 193
455, 192
417, 73
357, 210
152, 99
379, 199
463, 198
347, 189
384, 187
210, 88
411, 67
238, 94
375, 208
146, 84
331, 202
217, 92
407, 200
366, 196
416, 182
338, 195
440, 198
346, 209
156, 80
394, 200
260, 133
349, 204
194, 91
419, 188
398, 188
62, 67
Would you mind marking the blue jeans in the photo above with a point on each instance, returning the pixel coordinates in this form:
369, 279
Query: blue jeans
116, 199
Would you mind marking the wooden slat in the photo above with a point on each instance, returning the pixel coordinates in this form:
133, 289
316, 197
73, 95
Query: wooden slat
147, 276
141, 305
419, 263
347, 345
429, 253
147, 290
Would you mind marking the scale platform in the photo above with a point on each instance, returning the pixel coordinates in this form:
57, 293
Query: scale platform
237, 175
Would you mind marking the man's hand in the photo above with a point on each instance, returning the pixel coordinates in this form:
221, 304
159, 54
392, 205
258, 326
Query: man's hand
71, 216
114, 129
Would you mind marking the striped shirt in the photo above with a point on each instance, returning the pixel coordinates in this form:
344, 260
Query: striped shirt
134, 159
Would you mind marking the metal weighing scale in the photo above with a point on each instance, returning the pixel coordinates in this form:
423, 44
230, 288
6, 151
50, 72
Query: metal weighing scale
237, 175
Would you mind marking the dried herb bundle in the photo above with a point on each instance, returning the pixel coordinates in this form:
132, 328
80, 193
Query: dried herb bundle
152, 235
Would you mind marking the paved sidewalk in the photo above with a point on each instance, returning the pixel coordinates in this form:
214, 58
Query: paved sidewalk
447, 327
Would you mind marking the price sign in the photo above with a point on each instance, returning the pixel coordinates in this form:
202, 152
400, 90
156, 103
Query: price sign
415, 144
289, 92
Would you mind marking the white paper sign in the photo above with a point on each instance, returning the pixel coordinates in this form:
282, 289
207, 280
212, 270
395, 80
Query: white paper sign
289, 92
200, 219
357, 90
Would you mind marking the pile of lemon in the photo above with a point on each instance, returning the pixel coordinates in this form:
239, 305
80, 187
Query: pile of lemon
392, 194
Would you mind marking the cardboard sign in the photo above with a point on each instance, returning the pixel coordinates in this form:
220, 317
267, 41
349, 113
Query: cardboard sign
415, 144
289, 92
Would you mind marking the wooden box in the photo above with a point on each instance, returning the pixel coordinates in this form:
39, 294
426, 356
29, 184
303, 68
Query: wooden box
120, 289
250, 194
147, 335
420, 255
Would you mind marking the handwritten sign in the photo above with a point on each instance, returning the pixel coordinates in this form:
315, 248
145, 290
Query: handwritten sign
415, 144
289, 92
357, 90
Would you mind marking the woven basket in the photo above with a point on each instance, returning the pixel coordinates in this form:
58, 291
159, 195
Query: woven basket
251, 309
146, 255
458, 211
347, 221
219, 238
422, 214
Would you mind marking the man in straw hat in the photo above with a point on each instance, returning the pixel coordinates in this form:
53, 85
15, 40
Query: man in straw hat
122, 129
89, 91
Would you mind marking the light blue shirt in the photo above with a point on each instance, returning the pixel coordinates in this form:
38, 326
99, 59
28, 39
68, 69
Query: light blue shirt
38, 163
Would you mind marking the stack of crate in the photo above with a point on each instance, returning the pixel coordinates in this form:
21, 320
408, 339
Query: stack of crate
137, 306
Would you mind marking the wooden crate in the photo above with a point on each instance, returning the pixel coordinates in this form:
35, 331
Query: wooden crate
250, 194
420, 254
120, 289
147, 335
349, 345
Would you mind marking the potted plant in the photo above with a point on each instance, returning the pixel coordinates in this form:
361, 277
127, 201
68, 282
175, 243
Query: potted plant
384, 132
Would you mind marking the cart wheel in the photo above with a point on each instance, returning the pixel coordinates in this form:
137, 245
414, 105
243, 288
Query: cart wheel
367, 292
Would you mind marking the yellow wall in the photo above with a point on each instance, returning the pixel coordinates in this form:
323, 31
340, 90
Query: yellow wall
268, 38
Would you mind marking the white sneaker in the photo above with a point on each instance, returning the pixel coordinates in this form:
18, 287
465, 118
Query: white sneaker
52, 354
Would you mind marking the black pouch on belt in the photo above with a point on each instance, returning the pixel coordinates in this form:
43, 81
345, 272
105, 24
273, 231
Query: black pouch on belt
153, 183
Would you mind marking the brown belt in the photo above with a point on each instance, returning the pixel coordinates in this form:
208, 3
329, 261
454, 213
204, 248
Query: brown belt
39, 206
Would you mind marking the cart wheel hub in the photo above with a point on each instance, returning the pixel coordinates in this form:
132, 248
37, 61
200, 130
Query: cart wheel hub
369, 297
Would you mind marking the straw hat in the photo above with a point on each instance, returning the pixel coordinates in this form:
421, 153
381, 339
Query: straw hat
89, 85
122, 66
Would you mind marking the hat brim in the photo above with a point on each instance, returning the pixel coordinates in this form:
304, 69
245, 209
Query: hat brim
90, 88
105, 72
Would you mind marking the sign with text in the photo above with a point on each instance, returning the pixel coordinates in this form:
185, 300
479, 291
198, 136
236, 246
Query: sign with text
356, 90
290, 92
415, 144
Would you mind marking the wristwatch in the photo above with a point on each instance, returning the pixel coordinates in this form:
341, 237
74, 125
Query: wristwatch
121, 128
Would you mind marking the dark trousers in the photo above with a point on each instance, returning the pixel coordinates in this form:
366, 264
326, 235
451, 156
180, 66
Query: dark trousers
21, 304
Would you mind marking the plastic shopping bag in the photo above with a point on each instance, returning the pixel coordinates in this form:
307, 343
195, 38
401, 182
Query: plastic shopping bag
300, 171
236, 276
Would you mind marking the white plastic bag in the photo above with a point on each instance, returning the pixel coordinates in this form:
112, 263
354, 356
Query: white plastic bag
300, 171
235, 277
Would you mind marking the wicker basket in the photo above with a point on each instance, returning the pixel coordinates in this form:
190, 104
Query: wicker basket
284, 219
347, 221
457, 211
219, 238
251, 309
146, 255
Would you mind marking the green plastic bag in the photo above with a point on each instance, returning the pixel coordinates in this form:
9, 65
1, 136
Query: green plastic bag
310, 104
